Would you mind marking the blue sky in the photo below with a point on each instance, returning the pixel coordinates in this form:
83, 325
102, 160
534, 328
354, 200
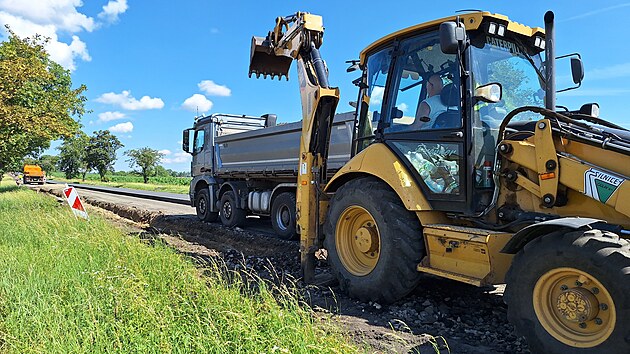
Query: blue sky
145, 62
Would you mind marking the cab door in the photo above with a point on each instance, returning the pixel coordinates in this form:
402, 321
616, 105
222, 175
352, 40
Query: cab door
421, 120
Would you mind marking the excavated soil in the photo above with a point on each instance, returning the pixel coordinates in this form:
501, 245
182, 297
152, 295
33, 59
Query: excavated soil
440, 315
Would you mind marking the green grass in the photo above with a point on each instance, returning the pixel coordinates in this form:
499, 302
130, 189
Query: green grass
68, 285
157, 184
7, 181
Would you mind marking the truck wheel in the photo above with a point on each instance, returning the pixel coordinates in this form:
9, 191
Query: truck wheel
374, 243
202, 206
283, 216
567, 293
231, 216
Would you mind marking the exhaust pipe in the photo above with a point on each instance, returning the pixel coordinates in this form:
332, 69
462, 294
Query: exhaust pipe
550, 62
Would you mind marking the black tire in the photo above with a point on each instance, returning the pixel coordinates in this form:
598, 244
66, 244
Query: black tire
401, 243
202, 206
283, 216
231, 216
602, 255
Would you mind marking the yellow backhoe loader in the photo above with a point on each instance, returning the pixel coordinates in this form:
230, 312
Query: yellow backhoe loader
463, 167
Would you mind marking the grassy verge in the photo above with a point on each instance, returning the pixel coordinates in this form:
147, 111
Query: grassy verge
7, 181
155, 187
67, 285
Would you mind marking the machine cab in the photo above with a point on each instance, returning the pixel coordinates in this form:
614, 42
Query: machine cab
439, 112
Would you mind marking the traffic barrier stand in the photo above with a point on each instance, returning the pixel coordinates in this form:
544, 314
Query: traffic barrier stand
72, 197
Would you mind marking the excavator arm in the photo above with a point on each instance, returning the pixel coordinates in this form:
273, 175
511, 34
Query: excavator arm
298, 37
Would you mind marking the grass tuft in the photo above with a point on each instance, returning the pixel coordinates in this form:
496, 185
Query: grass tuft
67, 285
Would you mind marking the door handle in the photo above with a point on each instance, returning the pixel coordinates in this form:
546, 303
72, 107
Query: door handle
457, 134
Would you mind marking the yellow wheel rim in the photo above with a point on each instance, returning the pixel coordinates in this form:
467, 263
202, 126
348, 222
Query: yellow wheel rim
358, 240
574, 307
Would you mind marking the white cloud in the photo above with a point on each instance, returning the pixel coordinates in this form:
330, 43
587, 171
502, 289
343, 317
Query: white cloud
62, 14
112, 10
608, 72
403, 107
594, 12
126, 127
165, 152
212, 89
109, 116
60, 52
178, 157
126, 101
196, 103
377, 95
50, 18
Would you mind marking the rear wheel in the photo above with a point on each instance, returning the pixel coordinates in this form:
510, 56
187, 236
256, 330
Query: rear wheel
374, 243
283, 216
231, 216
202, 206
566, 293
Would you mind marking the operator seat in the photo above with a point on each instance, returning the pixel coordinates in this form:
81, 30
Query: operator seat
452, 117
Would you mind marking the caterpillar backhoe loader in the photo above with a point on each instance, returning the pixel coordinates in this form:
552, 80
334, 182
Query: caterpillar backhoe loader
464, 168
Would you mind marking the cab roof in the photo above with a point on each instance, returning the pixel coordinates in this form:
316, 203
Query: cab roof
471, 21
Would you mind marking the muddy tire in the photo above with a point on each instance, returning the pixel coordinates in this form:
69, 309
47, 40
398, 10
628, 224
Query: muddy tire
231, 216
202, 206
283, 216
580, 282
374, 243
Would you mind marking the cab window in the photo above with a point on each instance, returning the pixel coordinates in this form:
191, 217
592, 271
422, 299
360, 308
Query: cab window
377, 69
199, 141
425, 95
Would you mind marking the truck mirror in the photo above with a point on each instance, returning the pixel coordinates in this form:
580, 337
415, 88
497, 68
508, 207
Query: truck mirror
451, 35
577, 70
186, 140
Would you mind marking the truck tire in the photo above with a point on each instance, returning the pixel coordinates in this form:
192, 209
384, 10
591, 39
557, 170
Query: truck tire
374, 243
231, 216
202, 206
567, 293
283, 216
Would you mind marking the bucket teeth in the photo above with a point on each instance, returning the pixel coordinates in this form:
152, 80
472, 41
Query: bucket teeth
265, 61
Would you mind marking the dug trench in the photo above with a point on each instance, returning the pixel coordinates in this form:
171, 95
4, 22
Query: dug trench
439, 316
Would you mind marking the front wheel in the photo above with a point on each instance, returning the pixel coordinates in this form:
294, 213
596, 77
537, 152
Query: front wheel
374, 243
566, 293
202, 206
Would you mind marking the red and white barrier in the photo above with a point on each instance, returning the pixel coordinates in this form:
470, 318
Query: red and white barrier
75, 202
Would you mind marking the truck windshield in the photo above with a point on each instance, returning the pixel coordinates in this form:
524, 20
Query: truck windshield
516, 67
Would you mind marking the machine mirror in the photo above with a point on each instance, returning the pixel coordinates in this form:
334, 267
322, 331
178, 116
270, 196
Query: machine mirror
186, 140
577, 70
451, 35
490, 93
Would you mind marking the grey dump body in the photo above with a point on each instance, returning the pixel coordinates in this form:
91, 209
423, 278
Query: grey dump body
273, 152
254, 158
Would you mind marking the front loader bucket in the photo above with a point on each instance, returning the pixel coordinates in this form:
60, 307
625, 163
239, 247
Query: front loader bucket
264, 61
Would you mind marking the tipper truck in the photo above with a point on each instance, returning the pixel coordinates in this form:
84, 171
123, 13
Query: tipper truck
247, 165
463, 167
33, 174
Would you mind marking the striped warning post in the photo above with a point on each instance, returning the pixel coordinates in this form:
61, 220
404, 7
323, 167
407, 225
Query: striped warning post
75, 202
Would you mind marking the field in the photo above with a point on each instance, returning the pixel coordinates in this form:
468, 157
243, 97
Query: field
68, 285
158, 184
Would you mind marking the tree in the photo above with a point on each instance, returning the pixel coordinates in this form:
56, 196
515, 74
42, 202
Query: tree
146, 159
101, 152
73, 155
37, 101
48, 163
